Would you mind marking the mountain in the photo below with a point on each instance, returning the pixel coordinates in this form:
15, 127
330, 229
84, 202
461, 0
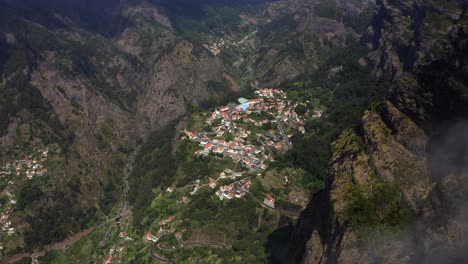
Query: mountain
98, 100
396, 182
95, 96
102, 17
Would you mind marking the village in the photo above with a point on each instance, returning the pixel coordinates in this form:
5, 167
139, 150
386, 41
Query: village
250, 132
238, 130
215, 47
11, 172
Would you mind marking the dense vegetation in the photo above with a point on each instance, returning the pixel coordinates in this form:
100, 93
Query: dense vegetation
383, 208
330, 10
51, 204
154, 166
192, 18
345, 96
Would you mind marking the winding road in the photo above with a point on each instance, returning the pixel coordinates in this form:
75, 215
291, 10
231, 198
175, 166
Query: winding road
181, 244
157, 257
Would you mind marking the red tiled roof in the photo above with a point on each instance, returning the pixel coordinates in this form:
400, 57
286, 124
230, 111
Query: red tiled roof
208, 145
190, 134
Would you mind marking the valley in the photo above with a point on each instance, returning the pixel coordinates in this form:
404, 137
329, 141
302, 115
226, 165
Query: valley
173, 227
247, 131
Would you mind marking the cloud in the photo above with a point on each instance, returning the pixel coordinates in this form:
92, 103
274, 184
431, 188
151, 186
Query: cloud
448, 153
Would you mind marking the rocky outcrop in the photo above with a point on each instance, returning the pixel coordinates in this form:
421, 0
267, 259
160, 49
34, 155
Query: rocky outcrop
177, 72
416, 143
405, 33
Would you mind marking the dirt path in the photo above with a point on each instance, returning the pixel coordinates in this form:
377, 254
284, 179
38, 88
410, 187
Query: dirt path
186, 244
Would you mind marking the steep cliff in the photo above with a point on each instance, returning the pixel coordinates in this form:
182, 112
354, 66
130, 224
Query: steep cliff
405, 34
397, 186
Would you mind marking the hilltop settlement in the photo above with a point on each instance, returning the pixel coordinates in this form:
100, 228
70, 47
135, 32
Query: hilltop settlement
249, 132
252, 131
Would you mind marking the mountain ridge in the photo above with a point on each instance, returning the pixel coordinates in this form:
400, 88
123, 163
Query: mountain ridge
398, 144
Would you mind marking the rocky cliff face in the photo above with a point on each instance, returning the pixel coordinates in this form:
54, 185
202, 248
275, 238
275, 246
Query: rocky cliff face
405, 34
397, 186
177, 70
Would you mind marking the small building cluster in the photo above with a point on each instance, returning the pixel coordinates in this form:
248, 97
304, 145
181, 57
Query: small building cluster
229, 174
7, 209
6, 224
165, 229
117, 251
166, 221
30, 166
125, 236
151, 237
269, 201
217, 46
237, 189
